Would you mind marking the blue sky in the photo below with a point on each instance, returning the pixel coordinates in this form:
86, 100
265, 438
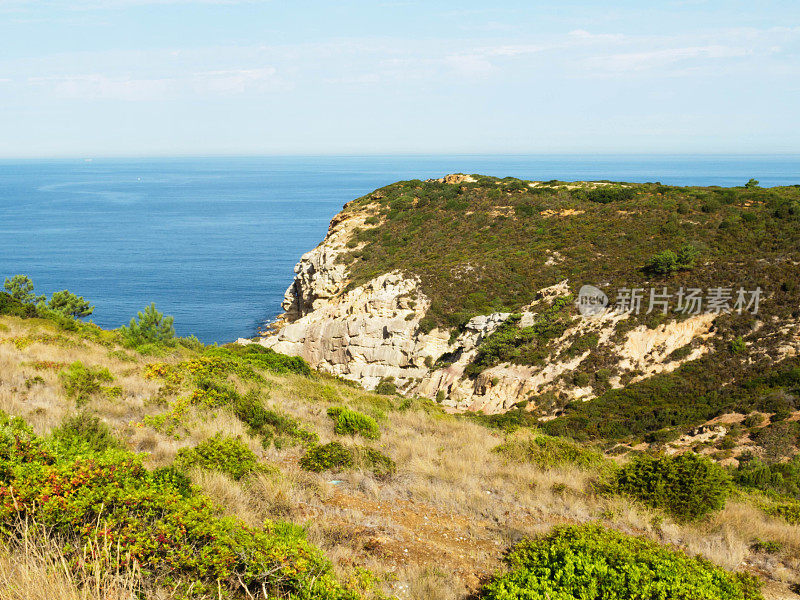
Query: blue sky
164, 77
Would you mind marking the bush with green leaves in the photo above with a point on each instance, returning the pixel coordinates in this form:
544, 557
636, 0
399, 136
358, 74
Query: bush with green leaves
224, 453
152, 327
376, 461
81, 382
788, 510
593, 563
273, 426
70, 305
547, 452
523, 345
667, 262
386, 387
688, 486
155, 519
779, 477
351, 422
83, 434
336, 457
267, 358
333, 456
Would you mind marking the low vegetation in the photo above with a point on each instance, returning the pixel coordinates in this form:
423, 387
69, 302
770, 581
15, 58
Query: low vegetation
688, 486
591, 562
181, 470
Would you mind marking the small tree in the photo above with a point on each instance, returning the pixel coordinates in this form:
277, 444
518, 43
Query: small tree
152, 327
663, 263
687, 255
667, 262
21, 289
70, 305
753, 183
688, 486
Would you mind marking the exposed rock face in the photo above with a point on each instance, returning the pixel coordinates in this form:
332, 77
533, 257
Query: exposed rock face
372, 332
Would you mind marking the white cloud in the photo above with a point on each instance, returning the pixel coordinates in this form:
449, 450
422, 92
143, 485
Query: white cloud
96, 86
638, 61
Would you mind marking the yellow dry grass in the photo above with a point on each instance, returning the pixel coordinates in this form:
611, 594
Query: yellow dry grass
432, 531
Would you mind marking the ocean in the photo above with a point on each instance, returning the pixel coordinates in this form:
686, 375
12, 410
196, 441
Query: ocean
213, 241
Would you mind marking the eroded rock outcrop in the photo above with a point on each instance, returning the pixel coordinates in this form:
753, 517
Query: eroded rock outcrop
372, 332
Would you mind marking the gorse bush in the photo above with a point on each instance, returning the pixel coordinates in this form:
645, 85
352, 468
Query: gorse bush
270, 424
523, 345
156, 520
351, 422
593, 563
376, 461
266, 358
386, 387
148, 327
227, 454
81, 382
688, 486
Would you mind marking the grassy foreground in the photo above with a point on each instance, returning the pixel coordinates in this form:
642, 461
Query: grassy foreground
176, 470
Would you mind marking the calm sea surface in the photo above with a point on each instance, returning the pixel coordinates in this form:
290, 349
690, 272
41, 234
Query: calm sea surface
213, 241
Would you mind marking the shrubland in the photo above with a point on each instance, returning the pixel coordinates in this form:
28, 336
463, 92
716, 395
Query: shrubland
151, 466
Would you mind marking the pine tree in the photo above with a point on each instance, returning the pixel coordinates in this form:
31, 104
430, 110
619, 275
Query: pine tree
152, 327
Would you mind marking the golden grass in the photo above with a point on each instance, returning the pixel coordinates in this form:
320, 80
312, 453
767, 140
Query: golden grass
34, 568
431, 531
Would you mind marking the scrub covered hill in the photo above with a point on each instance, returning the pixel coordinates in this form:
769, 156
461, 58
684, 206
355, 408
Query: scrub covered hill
154, 469
481, 244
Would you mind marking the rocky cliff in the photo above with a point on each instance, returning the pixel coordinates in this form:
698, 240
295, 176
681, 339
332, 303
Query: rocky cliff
375, 330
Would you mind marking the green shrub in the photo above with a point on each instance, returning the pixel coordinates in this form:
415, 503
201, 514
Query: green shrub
333, 456
83, 434
81, 382
688, 486
779, 477
351, 422
266, 358
268, 423
770, 547
789, 511
548, 452
156, 519
377, 462
738, 345
753, 420
667, 262
152, 327
593, 563
227, 454
386, 387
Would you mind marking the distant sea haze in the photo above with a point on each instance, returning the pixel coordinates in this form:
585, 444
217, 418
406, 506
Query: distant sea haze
213, 241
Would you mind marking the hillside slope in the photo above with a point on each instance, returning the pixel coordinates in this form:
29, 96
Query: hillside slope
118, 434
463, 290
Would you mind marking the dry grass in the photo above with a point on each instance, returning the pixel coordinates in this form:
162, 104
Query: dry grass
432, 531
32, 567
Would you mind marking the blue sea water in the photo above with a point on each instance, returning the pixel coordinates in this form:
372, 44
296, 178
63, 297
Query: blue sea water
213, 241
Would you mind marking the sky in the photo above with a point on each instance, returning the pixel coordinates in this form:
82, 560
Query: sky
90, 78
